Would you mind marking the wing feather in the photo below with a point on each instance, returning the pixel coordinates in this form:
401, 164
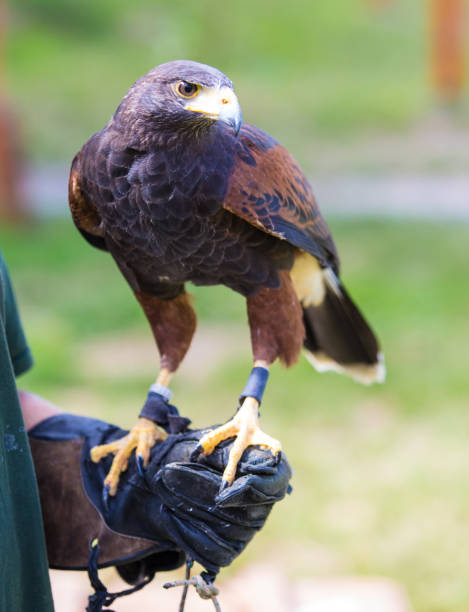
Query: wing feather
268, 189
84, 214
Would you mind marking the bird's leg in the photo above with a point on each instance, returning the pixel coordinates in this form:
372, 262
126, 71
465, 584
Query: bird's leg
142, 437
173, 323
277, 332
244, 426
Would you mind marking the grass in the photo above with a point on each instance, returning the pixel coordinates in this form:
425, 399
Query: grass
302, 70
380, 472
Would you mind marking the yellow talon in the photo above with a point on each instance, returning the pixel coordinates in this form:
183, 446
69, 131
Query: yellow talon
142, 437
245, 426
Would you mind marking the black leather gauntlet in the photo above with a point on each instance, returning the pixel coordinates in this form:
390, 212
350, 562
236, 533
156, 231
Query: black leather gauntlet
155, 520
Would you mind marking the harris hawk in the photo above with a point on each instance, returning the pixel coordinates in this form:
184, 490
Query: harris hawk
178, 189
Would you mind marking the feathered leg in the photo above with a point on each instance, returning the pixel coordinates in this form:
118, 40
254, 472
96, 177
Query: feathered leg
277, 331
173, 324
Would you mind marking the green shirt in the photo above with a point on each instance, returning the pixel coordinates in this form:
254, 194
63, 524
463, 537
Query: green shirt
24, 576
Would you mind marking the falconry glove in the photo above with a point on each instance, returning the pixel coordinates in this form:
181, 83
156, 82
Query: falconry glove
173, 510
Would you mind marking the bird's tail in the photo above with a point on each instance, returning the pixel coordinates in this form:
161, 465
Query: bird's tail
337, 336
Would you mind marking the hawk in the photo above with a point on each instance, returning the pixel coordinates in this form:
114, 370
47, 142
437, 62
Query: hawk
177, 188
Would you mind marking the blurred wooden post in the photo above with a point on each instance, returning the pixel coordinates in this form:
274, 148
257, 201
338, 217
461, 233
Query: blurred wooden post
12, 203
448, 33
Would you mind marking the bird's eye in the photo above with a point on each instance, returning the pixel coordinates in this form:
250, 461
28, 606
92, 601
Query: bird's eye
187, 90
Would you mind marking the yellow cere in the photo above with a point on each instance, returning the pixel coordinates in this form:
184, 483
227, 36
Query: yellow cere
210, 101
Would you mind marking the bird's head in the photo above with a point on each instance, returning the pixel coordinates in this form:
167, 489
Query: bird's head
180, 96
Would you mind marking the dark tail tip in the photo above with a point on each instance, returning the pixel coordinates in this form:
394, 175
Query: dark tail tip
338, 337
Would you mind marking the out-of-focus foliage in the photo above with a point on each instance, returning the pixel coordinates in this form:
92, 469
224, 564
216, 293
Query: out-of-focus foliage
299, 67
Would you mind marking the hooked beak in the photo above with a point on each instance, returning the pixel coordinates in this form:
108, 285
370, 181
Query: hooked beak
232, 116
220, 104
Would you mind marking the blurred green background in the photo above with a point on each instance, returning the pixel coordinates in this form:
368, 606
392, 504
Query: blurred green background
380, 485
328, 69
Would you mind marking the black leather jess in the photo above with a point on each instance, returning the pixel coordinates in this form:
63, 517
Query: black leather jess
156, 519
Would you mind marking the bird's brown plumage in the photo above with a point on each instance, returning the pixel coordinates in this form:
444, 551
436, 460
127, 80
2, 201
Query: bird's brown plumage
176, 194
268, 189
185, 199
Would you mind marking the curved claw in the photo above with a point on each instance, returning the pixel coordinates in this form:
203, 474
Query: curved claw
140, 465
105, 496
224, 485
277, 457
196, 452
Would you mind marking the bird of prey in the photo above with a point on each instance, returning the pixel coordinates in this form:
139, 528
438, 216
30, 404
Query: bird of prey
177, 188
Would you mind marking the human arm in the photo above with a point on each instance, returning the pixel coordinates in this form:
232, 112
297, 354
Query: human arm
173, 507
35, 408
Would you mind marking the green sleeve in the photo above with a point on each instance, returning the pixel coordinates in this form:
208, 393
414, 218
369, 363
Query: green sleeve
24, 583
19, 351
